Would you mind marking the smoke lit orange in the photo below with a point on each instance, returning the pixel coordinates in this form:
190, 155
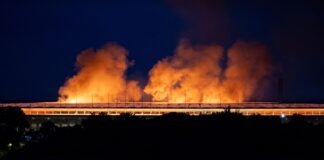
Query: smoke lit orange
101, 78
195, 73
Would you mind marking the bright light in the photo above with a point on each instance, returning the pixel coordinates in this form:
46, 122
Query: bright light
72, 101
282, 115
9, 145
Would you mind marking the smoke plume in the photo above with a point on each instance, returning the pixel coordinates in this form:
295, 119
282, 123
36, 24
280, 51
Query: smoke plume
195, 74
100, 78
208, 21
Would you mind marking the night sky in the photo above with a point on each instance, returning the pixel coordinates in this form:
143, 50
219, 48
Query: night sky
39, 40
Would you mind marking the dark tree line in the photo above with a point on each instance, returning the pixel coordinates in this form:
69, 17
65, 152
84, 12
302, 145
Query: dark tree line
225, 135
13, 123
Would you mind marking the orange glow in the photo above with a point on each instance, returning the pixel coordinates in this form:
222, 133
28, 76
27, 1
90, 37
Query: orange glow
72, 111
194, 74
101, 78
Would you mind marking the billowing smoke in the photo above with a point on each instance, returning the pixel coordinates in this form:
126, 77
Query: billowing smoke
195, 73
203, 72
208, 21
100, 78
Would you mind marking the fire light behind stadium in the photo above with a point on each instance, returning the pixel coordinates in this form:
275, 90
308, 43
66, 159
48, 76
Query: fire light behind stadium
194, 74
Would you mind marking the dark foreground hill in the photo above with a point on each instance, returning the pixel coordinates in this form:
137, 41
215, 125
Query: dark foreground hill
177, 136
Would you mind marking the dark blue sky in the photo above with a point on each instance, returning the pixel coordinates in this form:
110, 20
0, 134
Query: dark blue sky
39, 40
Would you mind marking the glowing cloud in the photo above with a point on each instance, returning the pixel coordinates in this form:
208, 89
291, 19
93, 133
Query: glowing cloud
194, 74
100, 78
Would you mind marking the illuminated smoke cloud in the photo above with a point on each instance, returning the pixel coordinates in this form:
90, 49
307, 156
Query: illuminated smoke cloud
100, 78
194, 73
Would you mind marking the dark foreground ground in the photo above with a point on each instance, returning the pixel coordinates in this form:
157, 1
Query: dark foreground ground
174, 136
